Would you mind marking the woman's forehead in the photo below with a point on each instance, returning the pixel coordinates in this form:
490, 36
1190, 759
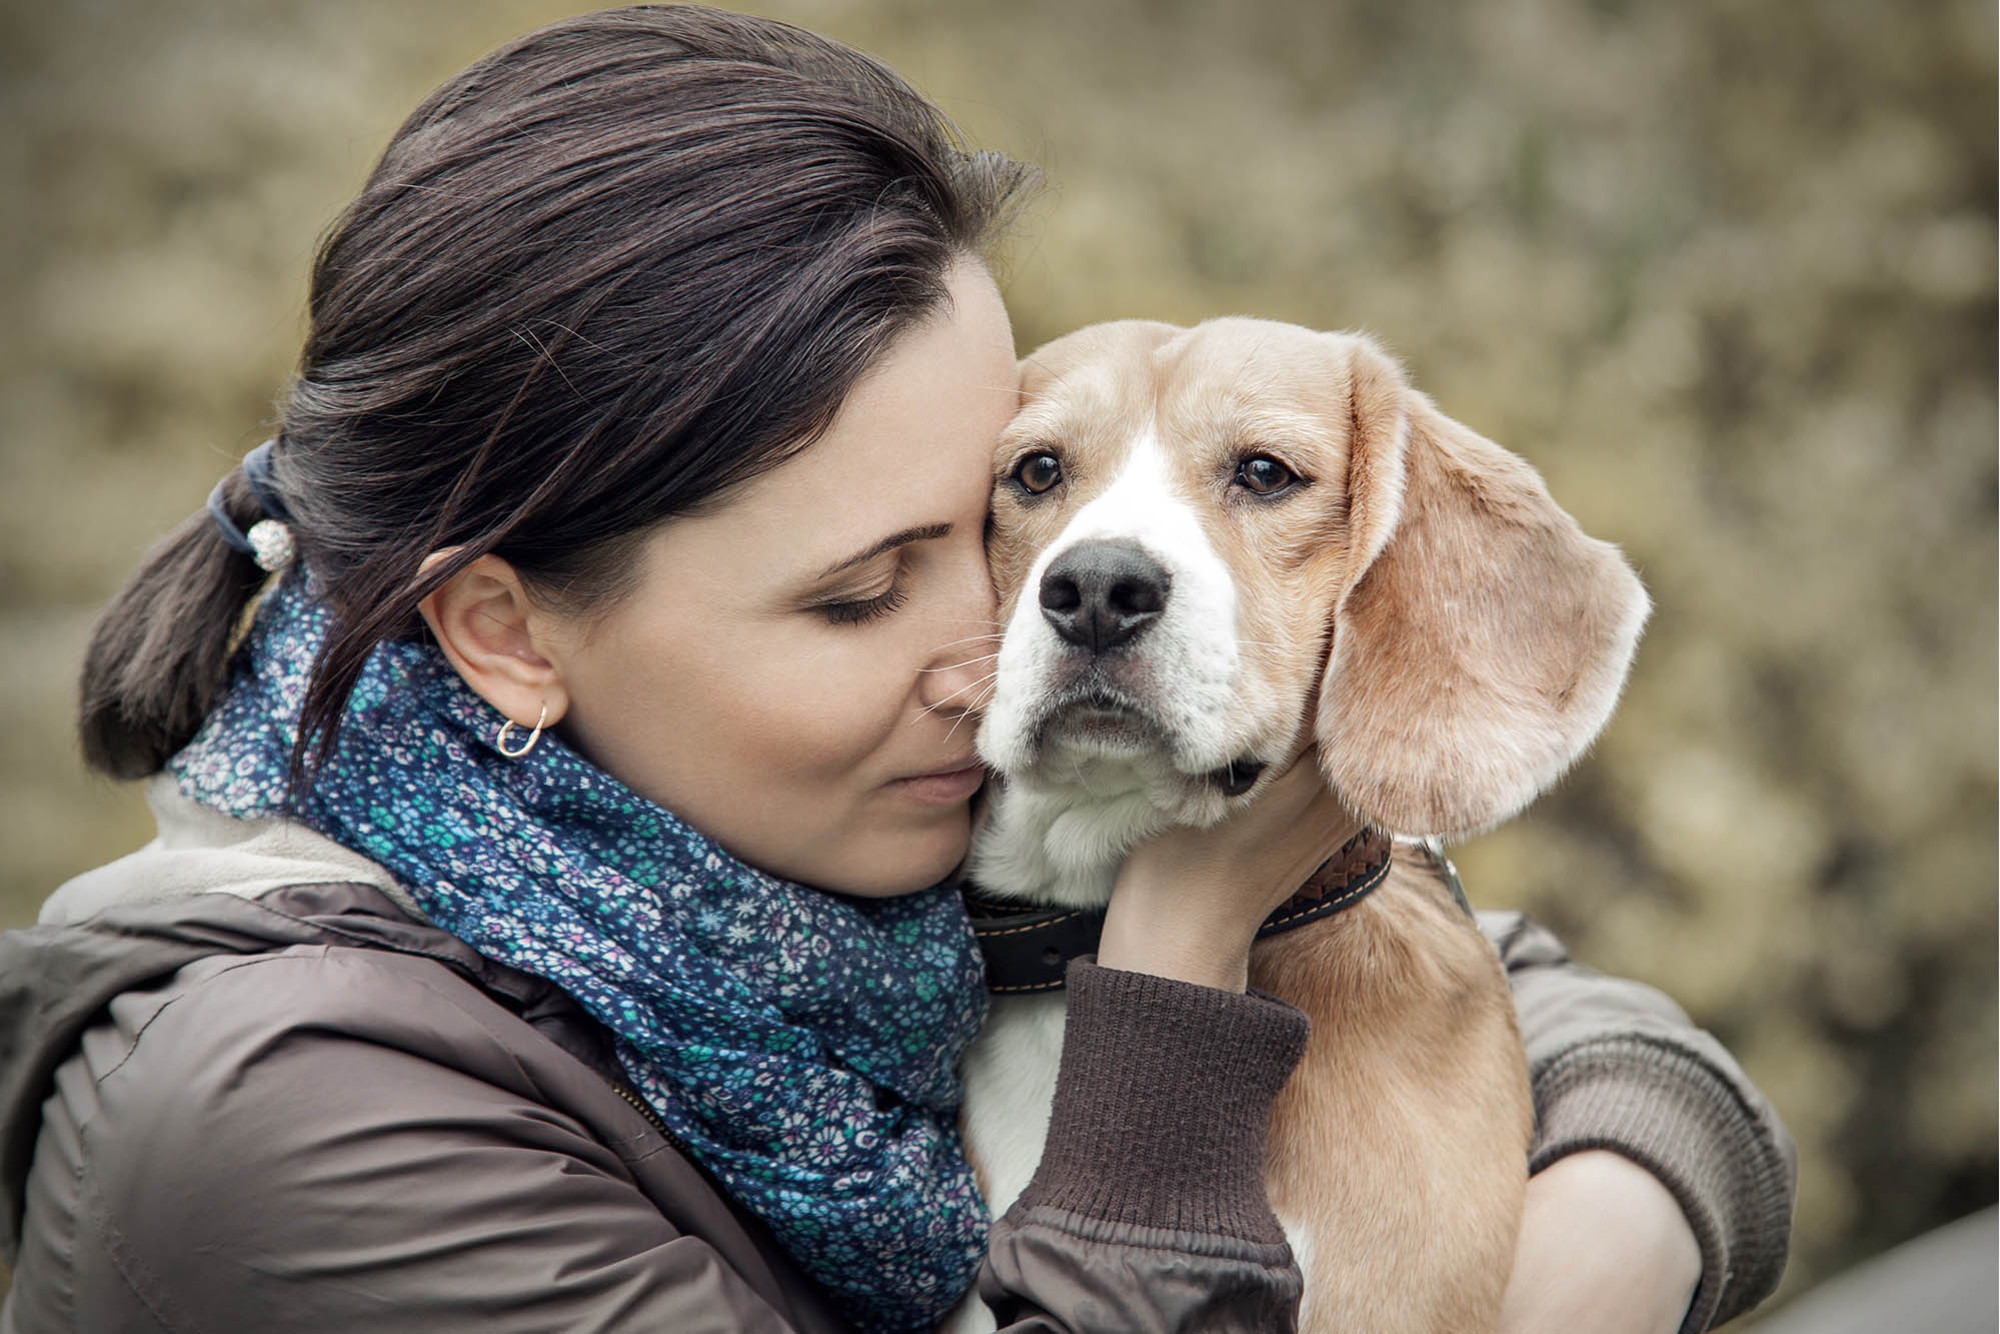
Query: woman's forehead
911, 447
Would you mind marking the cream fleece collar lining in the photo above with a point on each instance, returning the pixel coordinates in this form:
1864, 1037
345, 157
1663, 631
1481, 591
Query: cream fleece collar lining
202, 851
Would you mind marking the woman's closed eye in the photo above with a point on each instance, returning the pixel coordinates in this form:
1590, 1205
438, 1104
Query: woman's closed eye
842, 607
859, 611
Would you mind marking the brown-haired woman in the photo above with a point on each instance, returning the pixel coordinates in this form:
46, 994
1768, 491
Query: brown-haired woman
546, 928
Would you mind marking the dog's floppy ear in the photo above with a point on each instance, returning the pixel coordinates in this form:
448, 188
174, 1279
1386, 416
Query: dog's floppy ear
1481, 640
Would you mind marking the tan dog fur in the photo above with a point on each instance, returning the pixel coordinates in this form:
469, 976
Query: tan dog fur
1425, 613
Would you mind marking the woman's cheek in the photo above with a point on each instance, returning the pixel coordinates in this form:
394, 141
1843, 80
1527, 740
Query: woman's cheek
845, 698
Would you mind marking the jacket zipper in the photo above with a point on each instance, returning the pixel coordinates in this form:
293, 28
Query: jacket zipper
681, 1146
631, 1095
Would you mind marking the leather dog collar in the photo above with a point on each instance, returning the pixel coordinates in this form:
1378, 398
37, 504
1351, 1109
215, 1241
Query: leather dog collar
1027, 951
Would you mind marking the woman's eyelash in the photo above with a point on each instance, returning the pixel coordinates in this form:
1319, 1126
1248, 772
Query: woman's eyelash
868, 609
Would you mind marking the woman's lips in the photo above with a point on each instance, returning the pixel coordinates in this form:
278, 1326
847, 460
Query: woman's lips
944, 787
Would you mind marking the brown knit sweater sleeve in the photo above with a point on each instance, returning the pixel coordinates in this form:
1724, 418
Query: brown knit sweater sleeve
1617, 1065
1149, 1201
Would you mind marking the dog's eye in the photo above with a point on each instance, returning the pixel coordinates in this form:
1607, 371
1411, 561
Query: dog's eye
1263, 475
1038, 473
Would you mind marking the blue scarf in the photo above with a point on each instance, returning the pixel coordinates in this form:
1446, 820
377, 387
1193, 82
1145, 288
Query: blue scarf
802, 1044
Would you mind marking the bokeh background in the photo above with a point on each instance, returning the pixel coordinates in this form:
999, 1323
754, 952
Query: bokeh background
1724, 270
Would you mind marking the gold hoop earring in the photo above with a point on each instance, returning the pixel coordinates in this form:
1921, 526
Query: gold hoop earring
500, 742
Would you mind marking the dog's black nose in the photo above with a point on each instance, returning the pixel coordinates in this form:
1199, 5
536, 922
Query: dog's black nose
1102, 595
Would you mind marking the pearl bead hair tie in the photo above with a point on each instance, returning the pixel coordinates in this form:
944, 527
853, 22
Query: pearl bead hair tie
269, 541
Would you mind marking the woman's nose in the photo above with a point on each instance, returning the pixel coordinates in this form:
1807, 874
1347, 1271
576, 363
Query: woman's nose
959, 675
960, 670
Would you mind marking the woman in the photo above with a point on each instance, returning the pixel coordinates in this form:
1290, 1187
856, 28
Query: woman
637, 463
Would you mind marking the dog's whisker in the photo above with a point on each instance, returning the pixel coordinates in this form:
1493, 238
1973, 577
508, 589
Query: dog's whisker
979, 705
973, 684
971, 711
984, 657
969, 639
954, 727
969, 685
943, 703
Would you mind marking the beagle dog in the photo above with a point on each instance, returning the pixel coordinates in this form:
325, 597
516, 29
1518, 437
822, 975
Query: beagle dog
1213, 547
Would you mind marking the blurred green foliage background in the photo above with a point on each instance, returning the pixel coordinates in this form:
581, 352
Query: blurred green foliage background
1723, 270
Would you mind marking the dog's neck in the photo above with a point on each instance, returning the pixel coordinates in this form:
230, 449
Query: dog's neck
1060, 845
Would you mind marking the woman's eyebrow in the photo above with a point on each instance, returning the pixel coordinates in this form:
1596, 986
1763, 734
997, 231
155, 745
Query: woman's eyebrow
923, 533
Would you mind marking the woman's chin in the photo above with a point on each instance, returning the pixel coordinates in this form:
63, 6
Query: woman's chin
900, 863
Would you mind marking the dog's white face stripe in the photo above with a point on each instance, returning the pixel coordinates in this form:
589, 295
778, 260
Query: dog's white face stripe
1186, 664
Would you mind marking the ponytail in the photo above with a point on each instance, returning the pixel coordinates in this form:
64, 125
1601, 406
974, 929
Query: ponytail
159, 655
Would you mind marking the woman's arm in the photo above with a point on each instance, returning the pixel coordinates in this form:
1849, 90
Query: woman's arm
347, 1139
1149, 1200
1617, 1067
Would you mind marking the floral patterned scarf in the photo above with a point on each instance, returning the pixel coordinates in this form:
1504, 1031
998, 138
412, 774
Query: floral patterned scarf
802, 1044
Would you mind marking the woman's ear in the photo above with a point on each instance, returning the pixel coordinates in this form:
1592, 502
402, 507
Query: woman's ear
1484, 638
495, 637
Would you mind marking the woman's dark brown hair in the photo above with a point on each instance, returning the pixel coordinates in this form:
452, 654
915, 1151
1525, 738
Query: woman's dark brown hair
600, 277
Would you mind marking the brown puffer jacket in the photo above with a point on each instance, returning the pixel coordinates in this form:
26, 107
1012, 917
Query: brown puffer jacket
243, 1086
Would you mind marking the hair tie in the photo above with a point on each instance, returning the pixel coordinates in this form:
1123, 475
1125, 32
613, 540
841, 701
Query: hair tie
257, 472
269, 541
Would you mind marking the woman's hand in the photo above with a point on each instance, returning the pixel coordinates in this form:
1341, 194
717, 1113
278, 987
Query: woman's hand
1188, 902
1603, 1247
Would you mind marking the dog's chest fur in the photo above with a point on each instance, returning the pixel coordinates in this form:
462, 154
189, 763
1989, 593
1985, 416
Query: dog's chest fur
1010, 1085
